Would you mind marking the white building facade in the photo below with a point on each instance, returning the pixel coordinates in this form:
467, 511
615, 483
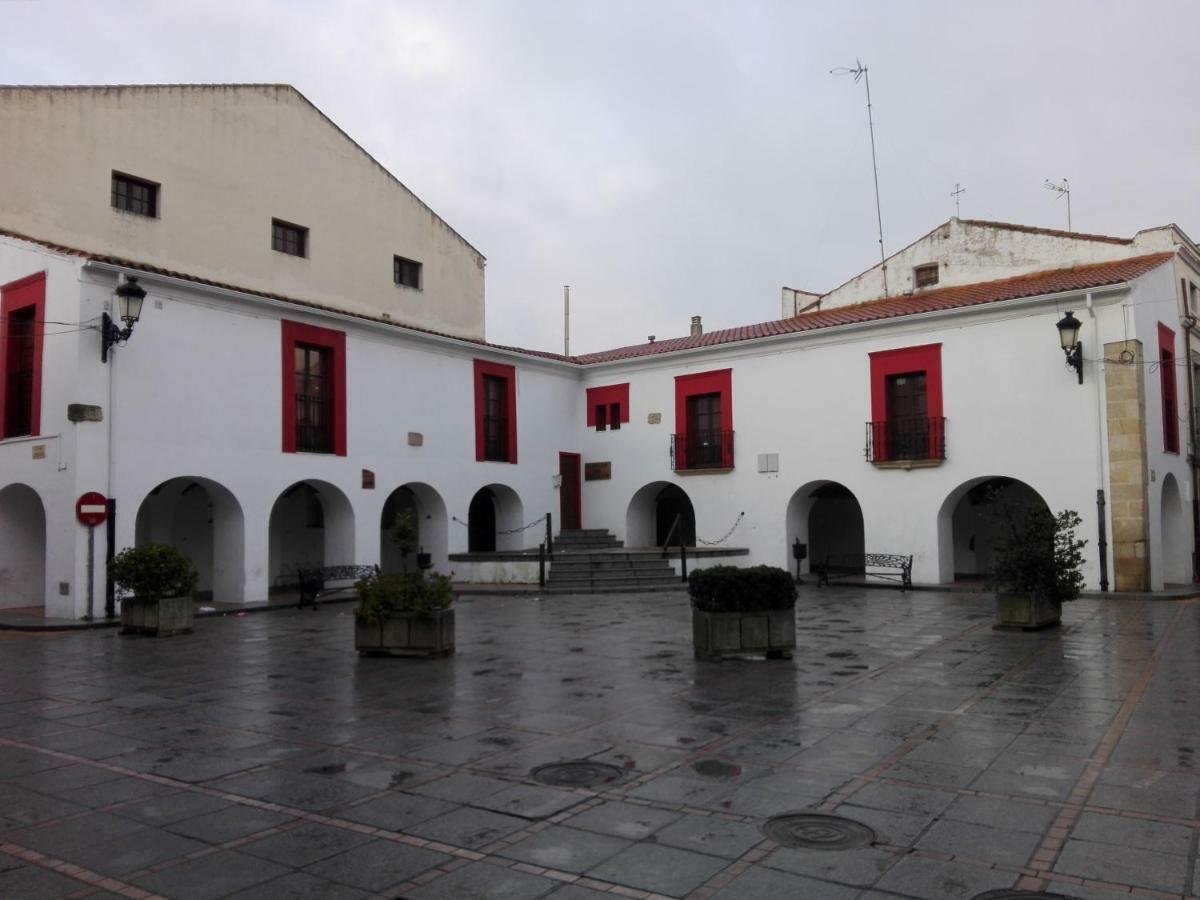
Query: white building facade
263, 420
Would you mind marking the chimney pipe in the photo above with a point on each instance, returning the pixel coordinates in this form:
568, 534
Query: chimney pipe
697, 328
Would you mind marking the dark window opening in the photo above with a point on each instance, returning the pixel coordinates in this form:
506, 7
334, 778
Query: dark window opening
601, 417
1169, 401
925, 275
134, 195
907, 417
406, 272
614, 415
495, 418
19, 373
314, 399
289, 239
704, 437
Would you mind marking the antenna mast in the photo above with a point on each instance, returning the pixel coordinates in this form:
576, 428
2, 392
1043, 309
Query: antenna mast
860, 72
958, 191
566, 320
1063, 190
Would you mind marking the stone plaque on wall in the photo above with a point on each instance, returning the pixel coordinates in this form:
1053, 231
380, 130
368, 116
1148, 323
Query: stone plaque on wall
653, 418
39, 451
84, 412
368, 480
597, 471
416, 439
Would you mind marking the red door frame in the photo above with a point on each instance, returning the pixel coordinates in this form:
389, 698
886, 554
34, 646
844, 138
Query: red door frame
568, 462
16, 296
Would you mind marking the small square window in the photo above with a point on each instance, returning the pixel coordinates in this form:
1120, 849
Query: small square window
135, 195
614, 415
926, 275
406, 272
288, 238
601, 417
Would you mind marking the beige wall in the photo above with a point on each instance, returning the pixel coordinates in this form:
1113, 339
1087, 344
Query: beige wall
229, 159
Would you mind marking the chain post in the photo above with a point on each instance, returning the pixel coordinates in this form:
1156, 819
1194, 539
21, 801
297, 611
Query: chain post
541, 565
549, 532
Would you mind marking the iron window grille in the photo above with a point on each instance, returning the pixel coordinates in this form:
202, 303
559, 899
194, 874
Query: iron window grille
135, 195
925, 275
288, 238
314, 399
702, 450
406, 272
913, 438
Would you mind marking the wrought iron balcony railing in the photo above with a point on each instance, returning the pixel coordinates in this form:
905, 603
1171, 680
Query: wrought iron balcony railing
909, 439
702, 450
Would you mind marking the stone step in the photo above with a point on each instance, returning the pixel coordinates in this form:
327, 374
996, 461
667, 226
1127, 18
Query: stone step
622, 589
615, 578
572, 565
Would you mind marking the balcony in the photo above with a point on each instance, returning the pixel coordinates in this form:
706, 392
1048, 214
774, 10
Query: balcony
702, 451
907, 443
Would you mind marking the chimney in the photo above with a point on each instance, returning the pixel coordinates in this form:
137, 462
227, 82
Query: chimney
697, 328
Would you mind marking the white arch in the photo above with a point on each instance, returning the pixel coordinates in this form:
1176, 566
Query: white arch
1176, 558
509, 517
22, 547
964, 531
203, 520
642, 526
429, 515
826, 524
311, 524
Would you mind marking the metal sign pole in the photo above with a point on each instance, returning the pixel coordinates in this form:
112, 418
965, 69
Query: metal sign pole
91, 564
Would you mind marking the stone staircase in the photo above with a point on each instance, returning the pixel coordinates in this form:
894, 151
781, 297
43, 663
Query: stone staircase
591, 560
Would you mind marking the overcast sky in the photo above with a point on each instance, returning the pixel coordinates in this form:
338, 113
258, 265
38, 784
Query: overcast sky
670, 159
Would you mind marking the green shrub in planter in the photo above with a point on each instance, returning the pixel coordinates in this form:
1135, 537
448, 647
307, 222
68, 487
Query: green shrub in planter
153, 571
730, 589
386, 594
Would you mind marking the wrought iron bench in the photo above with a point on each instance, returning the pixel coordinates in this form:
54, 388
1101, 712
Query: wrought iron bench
314, 582
845, 565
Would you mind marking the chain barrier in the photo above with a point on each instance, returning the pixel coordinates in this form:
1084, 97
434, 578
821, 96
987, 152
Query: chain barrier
538, 521
724, 537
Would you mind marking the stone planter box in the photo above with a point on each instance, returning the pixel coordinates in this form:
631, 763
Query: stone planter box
161, 617
770, 632
1026, 611
407, 634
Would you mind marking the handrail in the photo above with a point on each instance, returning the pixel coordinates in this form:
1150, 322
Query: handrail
675, 526
670, 534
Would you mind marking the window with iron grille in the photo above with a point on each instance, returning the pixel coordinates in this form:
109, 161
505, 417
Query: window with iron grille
406, 272
925, 275
288, 238
495, 418
314, 399
135, 195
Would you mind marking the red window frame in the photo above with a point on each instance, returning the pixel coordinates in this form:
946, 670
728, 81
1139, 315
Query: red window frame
509, 374
607, 395
294, 333
718, 381
15, 297
1170, 394
925, 358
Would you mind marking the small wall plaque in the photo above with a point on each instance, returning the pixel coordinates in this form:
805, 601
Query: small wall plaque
653, 418
84, 412
416, 439
39, 451
368, 480
597, 471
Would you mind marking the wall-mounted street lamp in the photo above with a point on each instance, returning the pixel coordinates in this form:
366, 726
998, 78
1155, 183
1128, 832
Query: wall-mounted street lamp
1068, 335
130, 295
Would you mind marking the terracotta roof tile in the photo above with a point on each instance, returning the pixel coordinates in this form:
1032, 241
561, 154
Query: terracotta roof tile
1053, 281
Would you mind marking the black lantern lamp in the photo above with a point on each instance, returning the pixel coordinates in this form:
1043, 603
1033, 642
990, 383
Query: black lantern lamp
1068, 335
130, 296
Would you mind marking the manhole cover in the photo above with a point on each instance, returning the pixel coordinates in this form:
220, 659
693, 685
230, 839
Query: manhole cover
581, 773
1016, 894
815, 831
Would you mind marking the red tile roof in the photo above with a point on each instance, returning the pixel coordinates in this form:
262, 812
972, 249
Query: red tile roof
1076, 278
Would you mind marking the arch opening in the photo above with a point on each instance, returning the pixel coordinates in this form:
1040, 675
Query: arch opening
652, 512
202, 520
22, 548
827, 517
428, 510
494, 520
968, 529
312, 525
1177, 565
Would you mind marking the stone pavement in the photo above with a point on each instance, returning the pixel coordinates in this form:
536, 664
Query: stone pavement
261, 758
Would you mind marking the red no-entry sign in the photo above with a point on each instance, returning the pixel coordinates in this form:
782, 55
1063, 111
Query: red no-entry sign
91, 508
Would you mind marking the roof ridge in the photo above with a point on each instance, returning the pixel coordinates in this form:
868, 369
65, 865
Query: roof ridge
1053, 232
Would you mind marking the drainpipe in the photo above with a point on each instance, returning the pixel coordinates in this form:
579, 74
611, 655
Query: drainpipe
1101, 468
1188, 321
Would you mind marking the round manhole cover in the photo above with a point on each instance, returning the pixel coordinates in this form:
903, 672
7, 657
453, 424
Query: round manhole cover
815, 831
577, 774
1016, 894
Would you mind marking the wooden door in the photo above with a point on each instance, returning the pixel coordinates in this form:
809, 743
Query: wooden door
907, 417
570, 499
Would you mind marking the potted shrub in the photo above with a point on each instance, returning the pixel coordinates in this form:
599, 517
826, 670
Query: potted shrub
1036, 566
160, 581
404, 613
743, 611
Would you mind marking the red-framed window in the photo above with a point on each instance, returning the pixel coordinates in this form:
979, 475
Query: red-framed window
314, 389
608, 406
495, 412
22, 320
1170, 399
704, 420
906, 404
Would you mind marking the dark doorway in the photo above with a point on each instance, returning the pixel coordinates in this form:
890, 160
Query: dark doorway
672, 502
18, 381
704, 431
907, 417
570, 500
481, 523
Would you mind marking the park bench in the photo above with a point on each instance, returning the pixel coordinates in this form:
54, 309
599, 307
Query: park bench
844, 565
319, 582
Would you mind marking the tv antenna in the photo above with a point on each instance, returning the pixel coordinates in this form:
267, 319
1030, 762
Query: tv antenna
1063, 190
958, 191
860, 73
